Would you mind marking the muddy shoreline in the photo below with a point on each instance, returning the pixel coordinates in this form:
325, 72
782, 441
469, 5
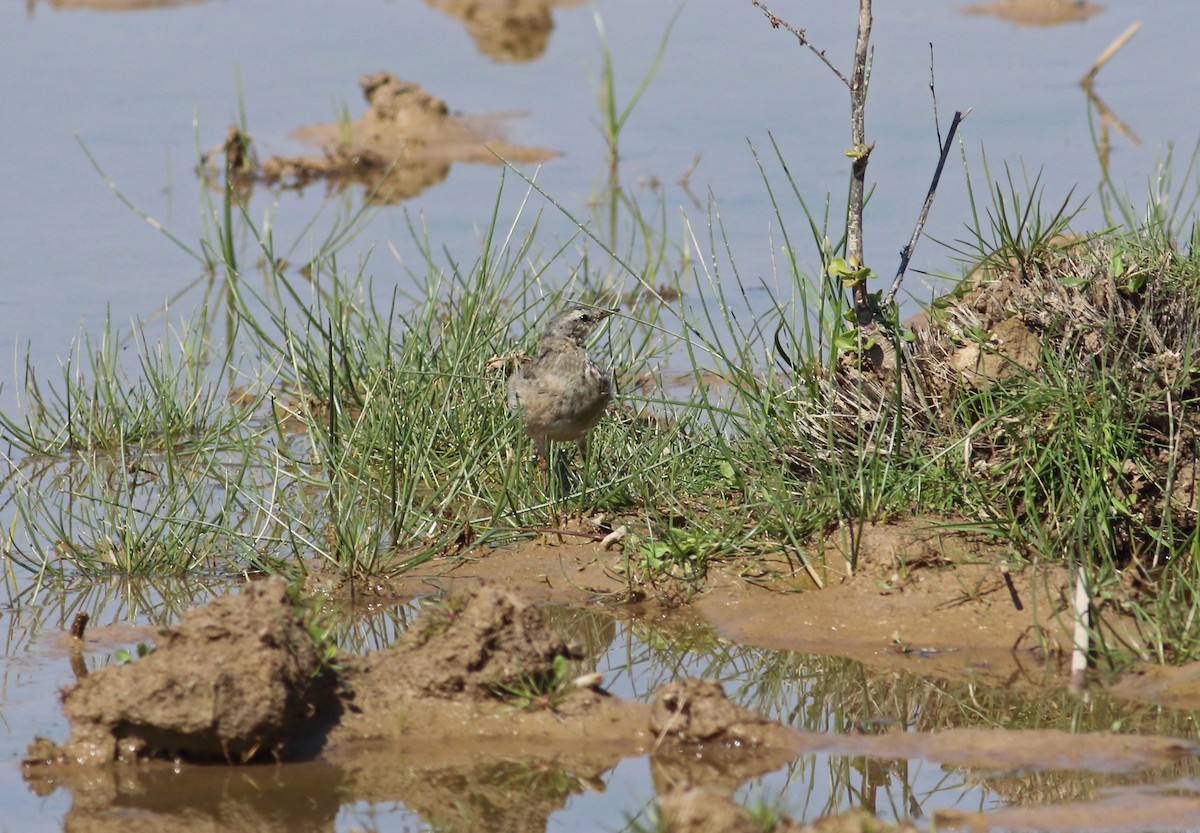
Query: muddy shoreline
472, 696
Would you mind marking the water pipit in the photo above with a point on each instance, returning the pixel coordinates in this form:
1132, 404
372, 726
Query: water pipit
561, 393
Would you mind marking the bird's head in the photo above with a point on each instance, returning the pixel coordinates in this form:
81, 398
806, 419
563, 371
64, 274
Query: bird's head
575, 323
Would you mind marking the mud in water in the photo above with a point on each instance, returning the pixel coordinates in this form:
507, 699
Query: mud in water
237, 679
507, 31
1037, 12
403, 144
481, 700
921, 597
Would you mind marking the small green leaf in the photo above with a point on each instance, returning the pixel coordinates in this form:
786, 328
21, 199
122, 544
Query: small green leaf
1116, 264
846, 340
1136, 282
848, 272
728, 472
838, 267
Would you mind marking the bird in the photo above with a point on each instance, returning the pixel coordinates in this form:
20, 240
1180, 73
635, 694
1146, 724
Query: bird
560, 394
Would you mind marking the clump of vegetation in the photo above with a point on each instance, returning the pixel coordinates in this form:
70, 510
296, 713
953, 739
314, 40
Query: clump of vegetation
543, 691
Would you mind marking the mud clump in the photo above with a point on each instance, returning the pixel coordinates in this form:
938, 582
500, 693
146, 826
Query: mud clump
696, 711
472, 646
242, 679
1037, 12
234, 680
404, 143
702, 739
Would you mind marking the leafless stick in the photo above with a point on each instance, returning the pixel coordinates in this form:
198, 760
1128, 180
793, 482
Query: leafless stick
858, 173
1080, 638
933, 92
1108, 121
1113, 48
79, 625
907, 252
687, 174
779, 23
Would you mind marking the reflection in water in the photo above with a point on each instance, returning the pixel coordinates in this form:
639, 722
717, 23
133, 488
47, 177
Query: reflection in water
505, 30
1109, 121
264, 798
110, 5
885, 733
490, 793
1037, 12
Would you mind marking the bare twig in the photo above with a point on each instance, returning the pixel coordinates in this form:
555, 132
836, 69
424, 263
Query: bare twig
933, 92
907, 252
1113, 49
685, 180
779, 23
1108, 121
1080, 638
862, 154
860, 151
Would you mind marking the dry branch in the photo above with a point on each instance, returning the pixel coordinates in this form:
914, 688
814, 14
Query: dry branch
1113, 49
907, 251
779, 23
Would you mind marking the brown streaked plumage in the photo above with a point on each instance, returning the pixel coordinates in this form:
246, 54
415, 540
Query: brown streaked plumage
561, 393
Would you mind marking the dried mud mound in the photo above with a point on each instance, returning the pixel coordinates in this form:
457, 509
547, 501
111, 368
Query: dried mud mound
234, 680
1058, 329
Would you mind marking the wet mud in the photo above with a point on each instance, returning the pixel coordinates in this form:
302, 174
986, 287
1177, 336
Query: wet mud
405, 142
921, 597
478, 695
236, 679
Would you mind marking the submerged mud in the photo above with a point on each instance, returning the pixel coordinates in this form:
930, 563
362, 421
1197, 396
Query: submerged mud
505, 30
1037, 12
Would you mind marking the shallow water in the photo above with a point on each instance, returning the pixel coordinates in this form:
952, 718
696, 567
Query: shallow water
848, 703
145, 90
